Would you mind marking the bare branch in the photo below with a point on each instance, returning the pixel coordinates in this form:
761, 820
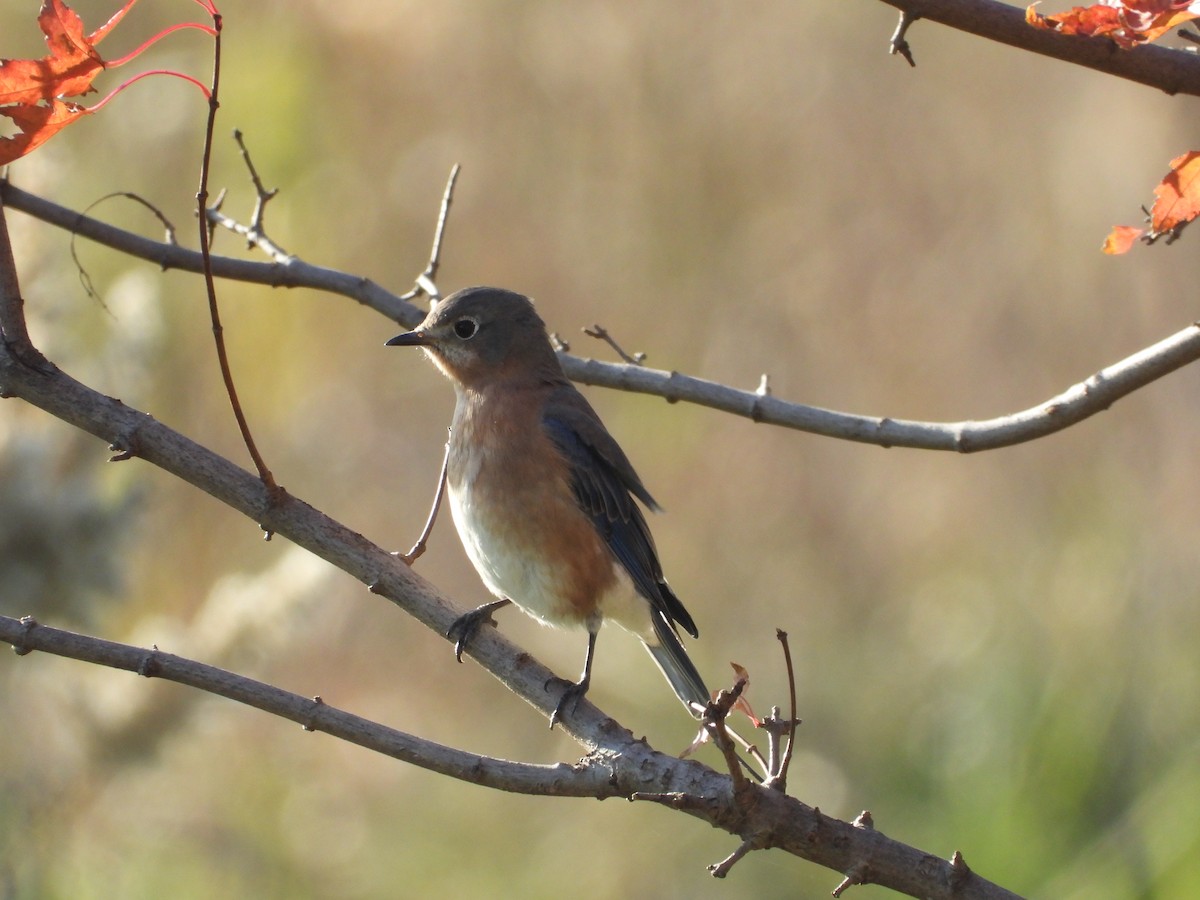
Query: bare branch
314, 714
1173, 71
1076, 403
289, 273
617, 765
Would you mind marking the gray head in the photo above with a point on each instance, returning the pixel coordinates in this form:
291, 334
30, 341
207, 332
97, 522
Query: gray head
480, 334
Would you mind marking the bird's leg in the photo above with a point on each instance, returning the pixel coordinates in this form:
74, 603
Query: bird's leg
463, 628
573, 693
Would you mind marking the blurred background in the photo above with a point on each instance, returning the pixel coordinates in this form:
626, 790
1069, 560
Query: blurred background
994, 654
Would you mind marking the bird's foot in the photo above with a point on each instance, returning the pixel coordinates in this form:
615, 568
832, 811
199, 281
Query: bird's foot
463, 628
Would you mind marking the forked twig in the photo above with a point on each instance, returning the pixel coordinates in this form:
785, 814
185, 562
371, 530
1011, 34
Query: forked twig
600, 333
426, 283
255, 233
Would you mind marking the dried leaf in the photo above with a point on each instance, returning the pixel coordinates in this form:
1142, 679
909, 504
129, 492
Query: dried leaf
1126, 22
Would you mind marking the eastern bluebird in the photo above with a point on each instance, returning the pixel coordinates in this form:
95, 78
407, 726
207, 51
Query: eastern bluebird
541, 494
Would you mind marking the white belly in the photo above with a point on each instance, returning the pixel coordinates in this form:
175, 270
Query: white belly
511, 567
508, 570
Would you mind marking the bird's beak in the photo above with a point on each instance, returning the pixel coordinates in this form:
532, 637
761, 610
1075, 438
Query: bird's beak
408, 339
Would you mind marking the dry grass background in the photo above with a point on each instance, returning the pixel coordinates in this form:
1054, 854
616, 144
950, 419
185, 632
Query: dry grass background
995, 653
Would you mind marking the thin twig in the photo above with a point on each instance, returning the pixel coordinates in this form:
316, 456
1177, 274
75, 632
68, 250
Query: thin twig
793, 721
419, 547
214, 313
600, 333
262, 195
721, 869
85, 277
426, 282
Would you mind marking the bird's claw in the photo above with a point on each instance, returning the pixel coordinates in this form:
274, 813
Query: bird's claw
463, 628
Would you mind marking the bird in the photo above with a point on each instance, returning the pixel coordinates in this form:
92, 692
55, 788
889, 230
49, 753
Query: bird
542, 496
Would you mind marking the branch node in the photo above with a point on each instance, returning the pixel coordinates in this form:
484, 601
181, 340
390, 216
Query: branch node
864, 820
22, 648
311, 724
960, 872
125, 446
763, 390
149, 666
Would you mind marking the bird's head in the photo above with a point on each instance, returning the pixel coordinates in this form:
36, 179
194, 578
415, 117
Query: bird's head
481, 334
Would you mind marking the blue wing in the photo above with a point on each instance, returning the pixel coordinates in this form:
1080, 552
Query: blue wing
605, 484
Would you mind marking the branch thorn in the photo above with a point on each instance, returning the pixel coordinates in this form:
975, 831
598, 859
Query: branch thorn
899, 41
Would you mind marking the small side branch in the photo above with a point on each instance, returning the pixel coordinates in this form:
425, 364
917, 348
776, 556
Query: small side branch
255, 232
899, 42
426, 282
600, 333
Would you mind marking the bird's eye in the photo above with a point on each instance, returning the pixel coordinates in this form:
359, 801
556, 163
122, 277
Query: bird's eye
466, 328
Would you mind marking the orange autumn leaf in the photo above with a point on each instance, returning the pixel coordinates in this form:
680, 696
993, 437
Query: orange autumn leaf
1126, 22
31, 90
72, 65
1177, 202
1178, 194
1121, 238
1092, 21
38, 123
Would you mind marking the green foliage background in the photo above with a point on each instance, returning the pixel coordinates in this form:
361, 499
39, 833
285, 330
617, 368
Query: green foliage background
995, 653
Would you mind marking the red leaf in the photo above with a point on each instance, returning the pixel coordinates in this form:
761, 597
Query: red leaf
1121, 238
38, 123
1178, 195
31, 90
71, 67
